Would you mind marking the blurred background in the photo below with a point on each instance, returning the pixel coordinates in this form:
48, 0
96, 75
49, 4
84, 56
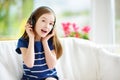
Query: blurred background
100, 18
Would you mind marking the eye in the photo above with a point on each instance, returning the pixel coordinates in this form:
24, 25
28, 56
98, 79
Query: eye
51, 24
43, 20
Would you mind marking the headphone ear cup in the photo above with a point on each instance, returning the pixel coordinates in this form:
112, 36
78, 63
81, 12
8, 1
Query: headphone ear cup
32, 21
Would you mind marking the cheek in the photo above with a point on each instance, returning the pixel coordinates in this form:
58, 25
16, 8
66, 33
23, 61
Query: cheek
39, 23
51, 27
37, 28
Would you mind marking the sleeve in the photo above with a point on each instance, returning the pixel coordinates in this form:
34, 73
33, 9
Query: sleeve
50, 43
21, 43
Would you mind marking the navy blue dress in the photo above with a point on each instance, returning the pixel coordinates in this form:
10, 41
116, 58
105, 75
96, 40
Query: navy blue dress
40, 70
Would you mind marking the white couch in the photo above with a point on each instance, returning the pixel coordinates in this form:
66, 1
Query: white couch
81, 60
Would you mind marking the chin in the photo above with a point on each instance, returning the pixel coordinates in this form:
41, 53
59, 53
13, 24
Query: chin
43, 36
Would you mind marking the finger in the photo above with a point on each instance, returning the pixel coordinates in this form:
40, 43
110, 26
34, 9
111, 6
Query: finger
28, 25
51, 35
28, 28
53, 32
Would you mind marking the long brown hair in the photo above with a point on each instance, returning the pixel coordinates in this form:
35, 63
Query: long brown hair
33, 19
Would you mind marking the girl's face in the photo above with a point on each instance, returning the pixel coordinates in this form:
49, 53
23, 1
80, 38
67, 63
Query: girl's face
44, 25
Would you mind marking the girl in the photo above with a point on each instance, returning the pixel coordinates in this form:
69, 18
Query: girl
39, 46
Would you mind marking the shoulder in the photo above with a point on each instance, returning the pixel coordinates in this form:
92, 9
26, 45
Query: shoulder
21, 43
50, 43
22, 39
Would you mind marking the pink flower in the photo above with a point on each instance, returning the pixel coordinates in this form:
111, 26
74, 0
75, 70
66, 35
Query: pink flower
75, 27
72, 30
86, 29
66, 28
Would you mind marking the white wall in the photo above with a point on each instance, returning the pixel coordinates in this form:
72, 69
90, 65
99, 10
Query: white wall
103, 21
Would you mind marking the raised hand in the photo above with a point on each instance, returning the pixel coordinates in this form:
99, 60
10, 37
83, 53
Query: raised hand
48, 36
29, 30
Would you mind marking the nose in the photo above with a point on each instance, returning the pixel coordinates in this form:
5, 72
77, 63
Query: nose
47, 25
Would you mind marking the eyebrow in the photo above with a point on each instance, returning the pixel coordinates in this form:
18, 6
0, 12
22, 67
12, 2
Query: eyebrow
46, 18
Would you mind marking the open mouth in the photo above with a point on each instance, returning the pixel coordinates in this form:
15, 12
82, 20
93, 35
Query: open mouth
43, 31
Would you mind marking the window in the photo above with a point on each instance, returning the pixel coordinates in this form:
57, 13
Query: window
103, 21
68, 11
13, 16
117, 21
106, 24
